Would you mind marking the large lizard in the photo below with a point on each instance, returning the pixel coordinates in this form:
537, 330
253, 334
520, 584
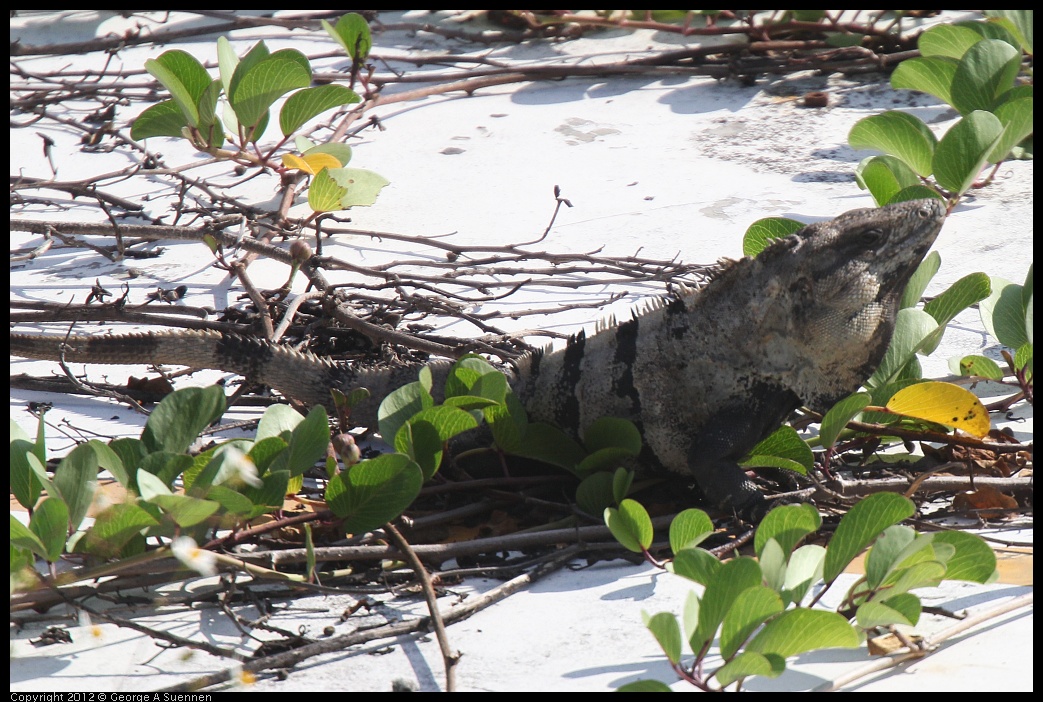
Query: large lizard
705, 374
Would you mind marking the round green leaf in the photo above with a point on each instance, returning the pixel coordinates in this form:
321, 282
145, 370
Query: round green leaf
689, 529
374, 491
1003, 313
696, 564
752, 608
667, 632
898, 134
933, 76
973, 560
981, 366
730, 580
947, 40
162, 119
50, 524
799, 630
361, 186
787, 524
1016, 117
860, 526
839, 415
324, 194
884, 177
310, 102
594, 493
265, 83
985, 71
762, 232
965, 149
631, 525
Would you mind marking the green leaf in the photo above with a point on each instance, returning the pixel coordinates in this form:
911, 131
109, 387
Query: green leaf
873, 614
374, 491
1003, 313
185, 511
424, 434
594, 493
546, 443
748, 664
226, 62
911, 328
860, 526
231, 501
76, 477
892, 547
341, 152
361, 186
25, 486
922, 574
277, 420
689, 529
799, 630
324, 194
884, 176
162, 119
1016, 118
508, 423
602, 459
899, 134
179, 418
185, 78
645, 686
839, 415
947, 40
973, 561
965, 292
787, 524
785, 443
270, 495
696, 564
310, 102
985, 71
1018, 22
931, 75
50, 524
764, 231
116, 526
22, 537
965, 149
980, 366
308, 443
630, 525
612, 432
730, 580
399, 406
907, 605
352, 33
264, 83
667, 632
804, 570
621, 482
752, 608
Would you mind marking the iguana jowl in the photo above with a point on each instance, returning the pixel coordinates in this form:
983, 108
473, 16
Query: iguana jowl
705, 375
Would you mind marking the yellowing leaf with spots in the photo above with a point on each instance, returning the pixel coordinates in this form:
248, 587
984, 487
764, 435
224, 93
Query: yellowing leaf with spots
312, 163
944, 403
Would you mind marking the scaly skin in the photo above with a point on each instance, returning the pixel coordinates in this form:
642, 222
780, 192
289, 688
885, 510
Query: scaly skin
705, 375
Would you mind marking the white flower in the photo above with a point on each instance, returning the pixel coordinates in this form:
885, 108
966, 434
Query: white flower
238, 467
199, 560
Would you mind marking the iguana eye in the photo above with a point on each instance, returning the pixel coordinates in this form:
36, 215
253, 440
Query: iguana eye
870, 238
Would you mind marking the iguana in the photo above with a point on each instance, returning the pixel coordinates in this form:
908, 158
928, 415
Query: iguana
705, 374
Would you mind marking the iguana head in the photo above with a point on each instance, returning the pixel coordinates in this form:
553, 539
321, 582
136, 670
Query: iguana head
852, 272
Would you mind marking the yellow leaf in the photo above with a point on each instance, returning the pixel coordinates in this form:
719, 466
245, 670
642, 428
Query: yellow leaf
944, 403
312, 163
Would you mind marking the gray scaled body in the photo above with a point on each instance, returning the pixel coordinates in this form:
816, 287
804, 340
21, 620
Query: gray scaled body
705, 375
